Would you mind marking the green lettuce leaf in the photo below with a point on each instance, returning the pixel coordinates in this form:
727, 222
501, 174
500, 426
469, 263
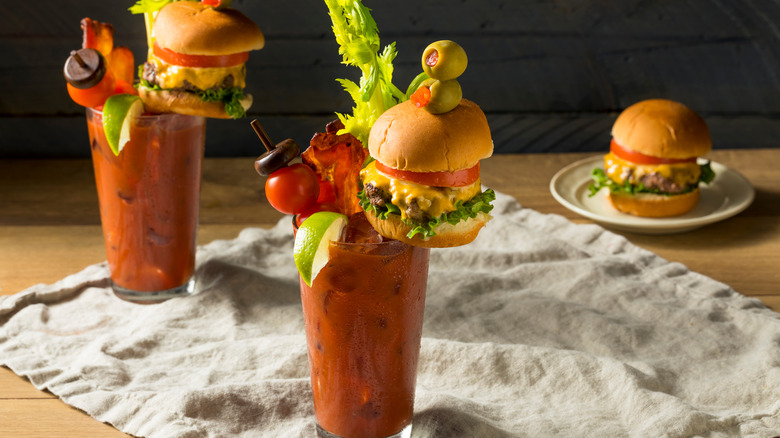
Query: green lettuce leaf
707, 174
601, 180
358, 38
463, 211
231, 97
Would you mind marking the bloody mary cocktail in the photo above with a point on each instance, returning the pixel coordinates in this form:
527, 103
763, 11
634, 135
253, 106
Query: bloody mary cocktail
149, 197
363, 316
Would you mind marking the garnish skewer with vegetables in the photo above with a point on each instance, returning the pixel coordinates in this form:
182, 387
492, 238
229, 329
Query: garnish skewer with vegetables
403, 176
147, 153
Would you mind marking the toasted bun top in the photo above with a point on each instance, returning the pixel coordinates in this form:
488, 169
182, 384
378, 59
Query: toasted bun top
409, 138
662, 128
193, 28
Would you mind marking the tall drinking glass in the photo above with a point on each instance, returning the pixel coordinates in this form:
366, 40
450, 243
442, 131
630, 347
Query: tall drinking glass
363, 315
149, 197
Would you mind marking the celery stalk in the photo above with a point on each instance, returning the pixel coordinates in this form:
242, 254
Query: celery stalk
358, 38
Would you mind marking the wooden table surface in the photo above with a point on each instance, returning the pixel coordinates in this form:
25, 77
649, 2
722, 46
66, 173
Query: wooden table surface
50, 227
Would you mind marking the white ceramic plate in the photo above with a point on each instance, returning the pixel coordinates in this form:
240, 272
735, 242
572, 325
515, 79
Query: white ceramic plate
728, 194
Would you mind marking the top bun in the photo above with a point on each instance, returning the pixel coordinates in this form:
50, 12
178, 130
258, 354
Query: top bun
409, 138
193, 28
662, 128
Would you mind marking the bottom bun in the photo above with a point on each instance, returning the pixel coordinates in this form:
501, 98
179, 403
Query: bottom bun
184, 102
652, 205
446, 235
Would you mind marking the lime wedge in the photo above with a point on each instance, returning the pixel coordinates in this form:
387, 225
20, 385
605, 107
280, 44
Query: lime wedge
312, 240
119, 111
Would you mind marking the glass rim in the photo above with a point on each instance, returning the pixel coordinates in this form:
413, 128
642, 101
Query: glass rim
355, 244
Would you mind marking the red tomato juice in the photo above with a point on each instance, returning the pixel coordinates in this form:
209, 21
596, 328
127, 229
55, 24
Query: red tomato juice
149, 198
363, 316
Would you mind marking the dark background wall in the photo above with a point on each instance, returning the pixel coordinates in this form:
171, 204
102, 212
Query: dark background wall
550, 74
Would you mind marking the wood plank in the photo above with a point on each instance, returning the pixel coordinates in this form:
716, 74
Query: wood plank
16, 387
233, 198
294, 18
519, 73
22, 418
717, 58
32, 255
551, 77
66, 137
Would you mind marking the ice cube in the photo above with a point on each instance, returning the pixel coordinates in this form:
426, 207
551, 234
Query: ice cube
359, 230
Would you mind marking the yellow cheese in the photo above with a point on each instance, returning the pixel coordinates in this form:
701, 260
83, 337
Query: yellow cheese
173, 76
619, 170
432, 200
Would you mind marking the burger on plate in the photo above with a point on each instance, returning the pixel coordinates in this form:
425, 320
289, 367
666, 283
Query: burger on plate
652, 168
196, 61
423, 186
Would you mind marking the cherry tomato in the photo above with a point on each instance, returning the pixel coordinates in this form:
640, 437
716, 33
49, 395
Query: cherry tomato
458, 178
327, 192
326, 206
639, 158
175, 58
292, 189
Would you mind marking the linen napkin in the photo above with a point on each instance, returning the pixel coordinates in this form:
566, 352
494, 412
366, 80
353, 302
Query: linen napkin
539, 328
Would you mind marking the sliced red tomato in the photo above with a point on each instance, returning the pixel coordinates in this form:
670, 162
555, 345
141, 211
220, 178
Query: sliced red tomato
458, 178
639, 158
202, 61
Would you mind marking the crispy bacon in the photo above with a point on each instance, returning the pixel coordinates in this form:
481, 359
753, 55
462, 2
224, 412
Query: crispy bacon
122, 63
98, 35
338, 159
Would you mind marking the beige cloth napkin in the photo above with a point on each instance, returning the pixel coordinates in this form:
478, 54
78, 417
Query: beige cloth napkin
540, 328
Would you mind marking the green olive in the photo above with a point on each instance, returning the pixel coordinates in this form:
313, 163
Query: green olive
444, 60
445, 95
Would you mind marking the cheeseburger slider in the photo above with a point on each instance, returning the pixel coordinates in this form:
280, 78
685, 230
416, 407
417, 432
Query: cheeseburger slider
651, 169
196, 61
423, 186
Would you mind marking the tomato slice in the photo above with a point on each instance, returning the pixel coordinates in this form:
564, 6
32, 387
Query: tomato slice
202, 61
639, 158
458, 178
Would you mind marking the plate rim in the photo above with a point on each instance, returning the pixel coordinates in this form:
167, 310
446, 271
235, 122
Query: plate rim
651, 224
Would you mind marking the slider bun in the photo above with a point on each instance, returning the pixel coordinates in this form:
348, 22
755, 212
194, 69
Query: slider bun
184, 102
652, 205
409, 138
662, 128
193, 28
446, 235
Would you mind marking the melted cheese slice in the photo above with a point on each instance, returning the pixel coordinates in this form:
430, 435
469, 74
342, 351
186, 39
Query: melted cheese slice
432, 200
619, 170
173, 76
